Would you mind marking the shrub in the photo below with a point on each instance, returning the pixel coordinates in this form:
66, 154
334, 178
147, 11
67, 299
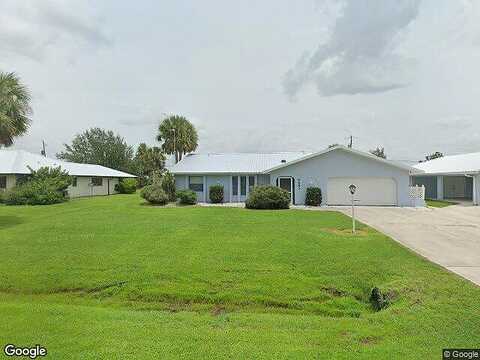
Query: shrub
216, 193
268, 197
154, 194
168, 185
42, 187
126, 186
378, 300
313, 196
187, 197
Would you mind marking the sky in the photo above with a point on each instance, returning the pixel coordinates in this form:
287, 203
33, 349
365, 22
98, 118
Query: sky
252, 76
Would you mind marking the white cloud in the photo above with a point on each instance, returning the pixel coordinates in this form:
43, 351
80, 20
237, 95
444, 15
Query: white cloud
32, 28
360, 56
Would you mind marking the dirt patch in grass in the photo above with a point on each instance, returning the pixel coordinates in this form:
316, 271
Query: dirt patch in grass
369, 340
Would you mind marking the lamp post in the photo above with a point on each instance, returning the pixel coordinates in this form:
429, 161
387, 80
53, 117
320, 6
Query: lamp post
352, 188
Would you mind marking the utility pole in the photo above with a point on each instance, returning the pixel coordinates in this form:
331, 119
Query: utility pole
43, 152
350, 144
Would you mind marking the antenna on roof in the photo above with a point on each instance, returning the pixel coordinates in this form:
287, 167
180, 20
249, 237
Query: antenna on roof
43, 152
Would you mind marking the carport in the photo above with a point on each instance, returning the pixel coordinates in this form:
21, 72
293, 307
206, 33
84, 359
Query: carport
455, 177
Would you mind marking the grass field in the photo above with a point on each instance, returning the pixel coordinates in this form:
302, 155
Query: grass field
439, 203
110, 277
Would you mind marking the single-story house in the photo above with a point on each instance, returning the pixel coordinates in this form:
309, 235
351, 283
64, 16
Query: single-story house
451, 177
378, 181
88, 179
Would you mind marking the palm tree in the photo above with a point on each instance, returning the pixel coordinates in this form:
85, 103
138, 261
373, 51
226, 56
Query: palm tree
178, 135
14, 108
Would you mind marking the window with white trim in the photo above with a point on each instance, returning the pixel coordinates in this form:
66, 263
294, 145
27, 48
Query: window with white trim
195, 183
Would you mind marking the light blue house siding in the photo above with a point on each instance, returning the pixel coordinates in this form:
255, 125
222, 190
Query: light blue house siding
335, 164
182, 182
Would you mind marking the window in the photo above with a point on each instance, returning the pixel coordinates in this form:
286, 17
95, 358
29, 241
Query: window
251, 183
74, 181
3, 182
243, 185
235, 185
195, 183
97, 181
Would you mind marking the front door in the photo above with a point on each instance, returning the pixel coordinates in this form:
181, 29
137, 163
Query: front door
286, 183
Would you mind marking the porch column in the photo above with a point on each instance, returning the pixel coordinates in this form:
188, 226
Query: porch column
205, 189
231, 187
440, 187
474, 189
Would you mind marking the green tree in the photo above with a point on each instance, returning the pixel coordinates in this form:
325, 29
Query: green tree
178, 136
101, 147
14, 108
148, 160
380, 152
435, 155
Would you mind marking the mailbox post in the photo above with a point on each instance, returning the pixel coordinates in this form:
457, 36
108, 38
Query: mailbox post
352, 188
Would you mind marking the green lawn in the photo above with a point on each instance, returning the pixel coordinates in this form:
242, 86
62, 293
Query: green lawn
110, 277
439, 203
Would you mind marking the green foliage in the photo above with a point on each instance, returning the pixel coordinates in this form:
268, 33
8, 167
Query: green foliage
44, 186
435, 155
126, 186
168, 185
379, 151
216, 193
101, 147
178, 135
313, 196
187, 197
154, 194
378, 300
148, 160
14, 108
268, 197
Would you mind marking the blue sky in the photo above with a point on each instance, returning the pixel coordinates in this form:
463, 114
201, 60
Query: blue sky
252, 76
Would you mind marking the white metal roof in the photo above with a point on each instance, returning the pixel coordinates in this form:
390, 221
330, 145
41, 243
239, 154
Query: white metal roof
18, 161
259, 163
248, 163
453, 164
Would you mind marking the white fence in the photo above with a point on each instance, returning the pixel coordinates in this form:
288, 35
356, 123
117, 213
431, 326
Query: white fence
417, 195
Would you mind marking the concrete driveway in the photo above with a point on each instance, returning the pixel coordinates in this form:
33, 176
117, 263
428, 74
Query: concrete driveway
447, 236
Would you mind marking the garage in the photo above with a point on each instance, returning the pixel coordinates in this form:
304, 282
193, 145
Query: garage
381, 191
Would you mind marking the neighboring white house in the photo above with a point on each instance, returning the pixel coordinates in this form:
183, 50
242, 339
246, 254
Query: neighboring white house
378, 181
451, 177
88, 179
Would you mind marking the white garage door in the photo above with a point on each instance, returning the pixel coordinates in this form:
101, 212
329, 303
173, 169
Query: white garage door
370, 191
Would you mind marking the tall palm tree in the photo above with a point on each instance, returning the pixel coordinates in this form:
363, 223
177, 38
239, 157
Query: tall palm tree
14, 108
178, 135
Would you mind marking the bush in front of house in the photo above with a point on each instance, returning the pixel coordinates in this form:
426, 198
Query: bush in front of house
126, 186
216, 193
168, 185
187, 197
154, 194
42, 187
313, 196
268, 197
